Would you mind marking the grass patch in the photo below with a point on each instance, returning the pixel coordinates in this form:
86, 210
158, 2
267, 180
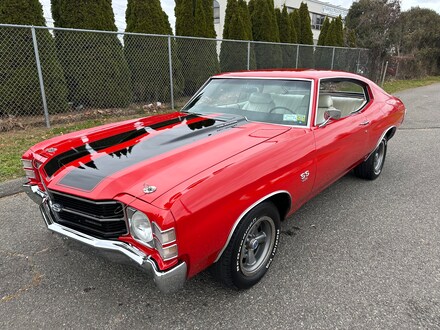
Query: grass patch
400, 85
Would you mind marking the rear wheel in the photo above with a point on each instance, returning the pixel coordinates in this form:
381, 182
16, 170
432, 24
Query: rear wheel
371, 168
251, 248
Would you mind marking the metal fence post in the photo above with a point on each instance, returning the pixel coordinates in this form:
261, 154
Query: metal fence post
249, 55
357, 64
384, 74
297, 56
170, 61
333, 58
40, 77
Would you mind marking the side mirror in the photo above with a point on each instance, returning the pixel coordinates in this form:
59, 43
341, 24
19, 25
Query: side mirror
331, 114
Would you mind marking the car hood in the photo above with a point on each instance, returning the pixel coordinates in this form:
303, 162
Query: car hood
146, 158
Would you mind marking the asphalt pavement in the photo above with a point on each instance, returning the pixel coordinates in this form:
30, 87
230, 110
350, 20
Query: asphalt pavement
361, 255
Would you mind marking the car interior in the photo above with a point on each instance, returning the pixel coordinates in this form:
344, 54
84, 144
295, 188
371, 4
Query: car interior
348, 97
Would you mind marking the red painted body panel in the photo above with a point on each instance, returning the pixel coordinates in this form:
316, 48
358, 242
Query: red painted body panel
204, 187
174, 166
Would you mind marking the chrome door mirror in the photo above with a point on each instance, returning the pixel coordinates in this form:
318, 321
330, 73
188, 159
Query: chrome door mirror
331, 114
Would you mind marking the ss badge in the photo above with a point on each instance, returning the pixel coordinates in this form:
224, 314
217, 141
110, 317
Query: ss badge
304, 176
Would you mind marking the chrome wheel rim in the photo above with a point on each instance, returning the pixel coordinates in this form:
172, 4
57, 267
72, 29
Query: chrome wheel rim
378, 158
257, 246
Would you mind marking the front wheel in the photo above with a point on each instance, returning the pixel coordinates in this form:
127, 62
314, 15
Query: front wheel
371, 168
251, 248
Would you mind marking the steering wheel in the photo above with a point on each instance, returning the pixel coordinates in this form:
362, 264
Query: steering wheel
284, 108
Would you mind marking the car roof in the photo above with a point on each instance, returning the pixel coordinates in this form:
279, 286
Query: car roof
291, 73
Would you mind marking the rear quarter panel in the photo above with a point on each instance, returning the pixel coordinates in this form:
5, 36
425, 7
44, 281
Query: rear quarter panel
384, 113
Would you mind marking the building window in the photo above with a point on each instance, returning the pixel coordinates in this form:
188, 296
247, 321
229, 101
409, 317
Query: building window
317, 21
216, 6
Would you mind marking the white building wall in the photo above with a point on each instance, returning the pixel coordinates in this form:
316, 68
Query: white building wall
317, 9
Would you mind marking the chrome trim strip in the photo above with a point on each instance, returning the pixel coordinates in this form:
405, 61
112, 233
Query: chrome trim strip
244, 213
367, 100
86, 215
312, 95
85, 199
167, 281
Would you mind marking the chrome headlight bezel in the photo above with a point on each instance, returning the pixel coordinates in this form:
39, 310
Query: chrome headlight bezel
148, 233
140, 227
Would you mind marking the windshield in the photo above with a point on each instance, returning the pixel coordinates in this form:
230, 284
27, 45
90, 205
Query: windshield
275, 101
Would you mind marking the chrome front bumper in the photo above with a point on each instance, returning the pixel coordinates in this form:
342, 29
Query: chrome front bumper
166, 281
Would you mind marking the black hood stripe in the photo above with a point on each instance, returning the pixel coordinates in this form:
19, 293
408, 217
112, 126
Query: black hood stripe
73, 154
189, 130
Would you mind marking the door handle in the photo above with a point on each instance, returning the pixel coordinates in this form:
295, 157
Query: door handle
364, 123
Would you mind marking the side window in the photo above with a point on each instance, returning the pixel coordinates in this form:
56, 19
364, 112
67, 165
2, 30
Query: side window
346, 95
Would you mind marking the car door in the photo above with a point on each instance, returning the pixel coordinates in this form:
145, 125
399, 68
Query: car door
340, 143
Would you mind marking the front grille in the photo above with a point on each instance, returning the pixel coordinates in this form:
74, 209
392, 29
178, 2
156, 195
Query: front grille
101, 219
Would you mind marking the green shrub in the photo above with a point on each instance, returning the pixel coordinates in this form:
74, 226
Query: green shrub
94, 65
234, 55
19, 84
265, 28
148, 57
198, 57
305, 37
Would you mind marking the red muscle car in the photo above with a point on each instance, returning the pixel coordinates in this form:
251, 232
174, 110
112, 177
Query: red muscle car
209, 185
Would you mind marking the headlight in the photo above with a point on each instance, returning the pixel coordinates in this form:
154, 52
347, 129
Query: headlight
151, 235
140, 227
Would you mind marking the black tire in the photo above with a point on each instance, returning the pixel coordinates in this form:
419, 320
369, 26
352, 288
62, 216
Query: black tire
251, 249
371, 168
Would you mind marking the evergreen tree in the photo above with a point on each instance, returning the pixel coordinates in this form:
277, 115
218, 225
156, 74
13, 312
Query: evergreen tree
95, 68
339, 32
265, 28
246, 16
323, 55
147, 57
184, 17
198, 57
208, 11
335, 33
330, 38
19, 84
296, 21
231, 8
278, 17
287, 35
233, 55
251, 7
342, 59
306, 37
323, 33
306, 34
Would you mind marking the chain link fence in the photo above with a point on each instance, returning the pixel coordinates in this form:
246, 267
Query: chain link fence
54, 75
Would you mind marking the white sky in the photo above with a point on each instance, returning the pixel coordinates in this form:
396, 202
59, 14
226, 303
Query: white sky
119, 7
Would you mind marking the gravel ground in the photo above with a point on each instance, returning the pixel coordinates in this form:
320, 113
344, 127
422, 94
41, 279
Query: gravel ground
361, 255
